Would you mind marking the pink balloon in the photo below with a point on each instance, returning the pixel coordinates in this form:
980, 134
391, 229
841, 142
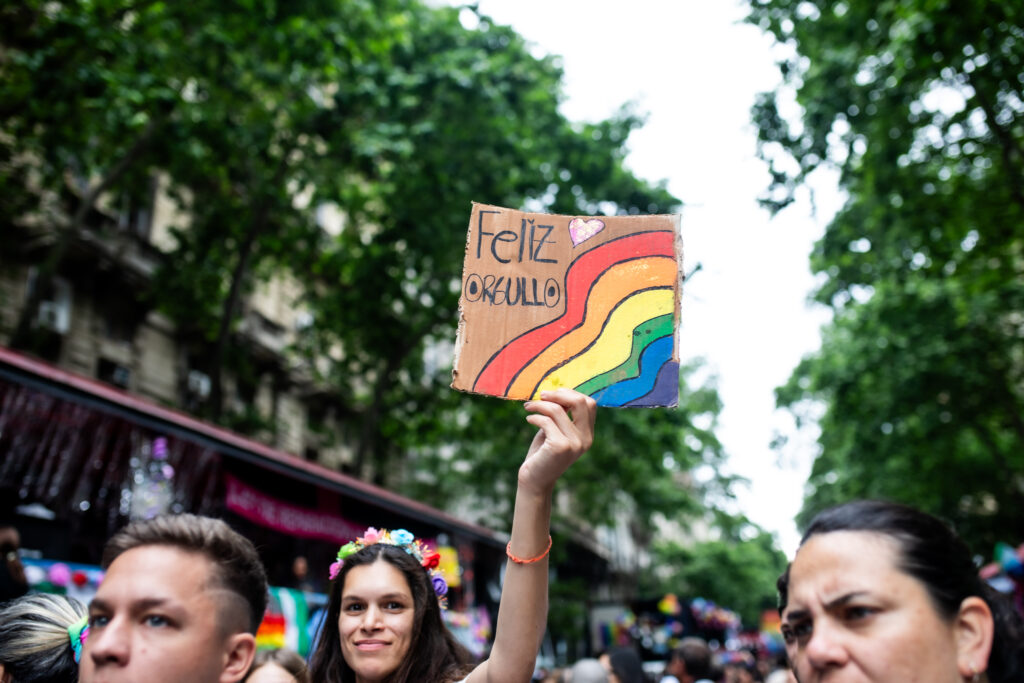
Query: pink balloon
59, 574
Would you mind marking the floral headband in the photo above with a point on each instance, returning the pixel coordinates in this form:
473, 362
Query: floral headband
400, 538
78, 632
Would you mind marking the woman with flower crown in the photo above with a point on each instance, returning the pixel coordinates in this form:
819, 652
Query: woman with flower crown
383, 618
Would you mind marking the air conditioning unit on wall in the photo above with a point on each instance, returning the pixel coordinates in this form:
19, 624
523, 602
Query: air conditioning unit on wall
198, 383
54, 311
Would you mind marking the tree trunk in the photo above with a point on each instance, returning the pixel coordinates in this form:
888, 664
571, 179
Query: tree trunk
368, 443
261, 218
1008, 147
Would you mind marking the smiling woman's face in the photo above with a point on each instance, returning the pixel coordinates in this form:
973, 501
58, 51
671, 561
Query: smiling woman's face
854, 616
376, 620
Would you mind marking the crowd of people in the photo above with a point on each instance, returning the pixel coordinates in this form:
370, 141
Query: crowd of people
691, 661
876, 592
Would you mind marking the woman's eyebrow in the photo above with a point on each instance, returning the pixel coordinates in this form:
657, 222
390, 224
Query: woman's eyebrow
386, 596
843, 599
798, 614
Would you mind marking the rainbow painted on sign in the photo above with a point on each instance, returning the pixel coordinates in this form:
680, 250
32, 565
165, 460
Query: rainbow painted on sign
614, 341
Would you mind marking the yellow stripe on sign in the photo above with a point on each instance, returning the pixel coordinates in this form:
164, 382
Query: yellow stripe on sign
609, 290
615, 342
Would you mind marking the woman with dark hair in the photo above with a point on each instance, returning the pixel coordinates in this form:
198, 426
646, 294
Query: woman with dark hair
882, 592
383, 620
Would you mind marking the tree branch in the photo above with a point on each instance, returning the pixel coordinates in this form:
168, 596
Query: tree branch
261, 215
22, 338
1008, 147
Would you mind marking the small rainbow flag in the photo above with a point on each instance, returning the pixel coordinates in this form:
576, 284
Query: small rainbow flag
285, 623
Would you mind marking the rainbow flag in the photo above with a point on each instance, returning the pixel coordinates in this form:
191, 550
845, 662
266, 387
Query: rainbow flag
285, 623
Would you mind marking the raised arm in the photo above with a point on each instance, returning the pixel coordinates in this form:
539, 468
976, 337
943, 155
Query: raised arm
565, 423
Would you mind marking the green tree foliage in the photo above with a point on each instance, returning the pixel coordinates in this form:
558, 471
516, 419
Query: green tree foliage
221, 100
256, 114
464, 114
920, 106
737, 571
78, 112
640, 464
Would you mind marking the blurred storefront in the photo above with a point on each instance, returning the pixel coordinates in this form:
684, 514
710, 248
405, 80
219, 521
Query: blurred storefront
83, 458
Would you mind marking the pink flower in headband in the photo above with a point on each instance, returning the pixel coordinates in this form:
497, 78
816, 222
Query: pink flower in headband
336, 569
371, 536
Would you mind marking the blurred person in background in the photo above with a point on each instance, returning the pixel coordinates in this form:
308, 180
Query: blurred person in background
690, 662
587, 670
781, 676
623, 665
41, 639
742, 672
12, 573
300, 575
277, 666
553, 676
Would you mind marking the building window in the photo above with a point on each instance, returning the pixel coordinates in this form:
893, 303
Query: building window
113, 373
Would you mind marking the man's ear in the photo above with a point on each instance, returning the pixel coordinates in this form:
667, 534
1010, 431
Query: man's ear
974, 631
239, 650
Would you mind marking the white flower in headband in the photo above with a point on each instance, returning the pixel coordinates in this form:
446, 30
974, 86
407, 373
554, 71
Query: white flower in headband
400, 538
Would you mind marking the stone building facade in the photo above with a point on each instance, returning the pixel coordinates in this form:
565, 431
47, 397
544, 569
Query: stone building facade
93, 324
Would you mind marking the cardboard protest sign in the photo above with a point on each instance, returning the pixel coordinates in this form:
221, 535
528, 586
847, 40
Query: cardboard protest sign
589, 303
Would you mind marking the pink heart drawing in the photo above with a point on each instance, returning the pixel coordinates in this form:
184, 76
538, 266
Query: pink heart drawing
581, 230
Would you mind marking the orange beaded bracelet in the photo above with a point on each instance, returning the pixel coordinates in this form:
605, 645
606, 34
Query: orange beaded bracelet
519, 560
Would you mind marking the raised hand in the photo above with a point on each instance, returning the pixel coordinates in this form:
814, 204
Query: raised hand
565, 422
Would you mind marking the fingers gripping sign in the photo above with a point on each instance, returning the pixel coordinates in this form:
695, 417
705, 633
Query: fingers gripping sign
565, 422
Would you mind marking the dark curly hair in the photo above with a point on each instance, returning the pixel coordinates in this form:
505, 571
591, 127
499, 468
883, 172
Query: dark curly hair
434, 654
934, 555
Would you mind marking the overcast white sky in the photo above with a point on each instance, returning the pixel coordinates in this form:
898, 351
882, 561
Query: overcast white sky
694, 68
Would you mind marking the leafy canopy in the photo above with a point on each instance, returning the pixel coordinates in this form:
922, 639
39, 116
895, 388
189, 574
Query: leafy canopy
395, 115
919, 106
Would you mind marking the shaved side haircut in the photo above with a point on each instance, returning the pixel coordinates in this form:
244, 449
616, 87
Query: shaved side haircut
235, 564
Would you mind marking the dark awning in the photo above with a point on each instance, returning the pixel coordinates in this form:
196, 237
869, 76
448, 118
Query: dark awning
20, 370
